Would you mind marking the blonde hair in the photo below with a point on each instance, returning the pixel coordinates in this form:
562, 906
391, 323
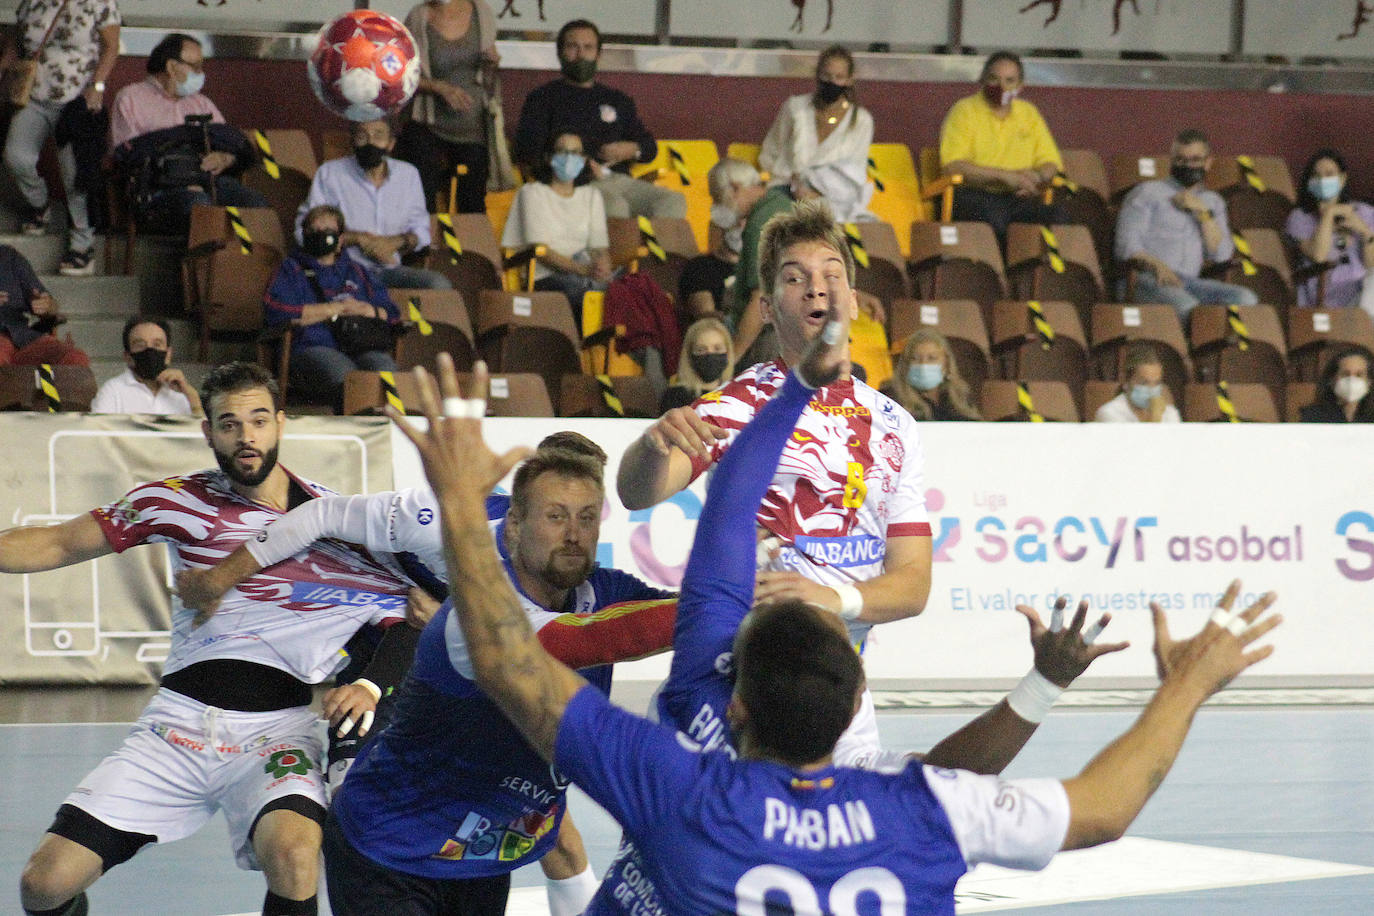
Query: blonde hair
808, 221
686, 375
953, 389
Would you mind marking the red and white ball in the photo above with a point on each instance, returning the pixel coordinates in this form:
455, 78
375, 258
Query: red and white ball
365, 66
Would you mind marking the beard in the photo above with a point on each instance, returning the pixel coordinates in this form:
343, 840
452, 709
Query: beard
564, 576
227, 465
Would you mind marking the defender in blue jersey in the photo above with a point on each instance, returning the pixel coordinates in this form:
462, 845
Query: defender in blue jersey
449, 799
780, 826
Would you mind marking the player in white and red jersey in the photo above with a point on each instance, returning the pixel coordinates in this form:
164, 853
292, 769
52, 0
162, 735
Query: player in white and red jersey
230, 727
847, 503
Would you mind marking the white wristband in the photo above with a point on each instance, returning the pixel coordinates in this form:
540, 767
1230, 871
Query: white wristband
1032, 698
370, 688
851, 601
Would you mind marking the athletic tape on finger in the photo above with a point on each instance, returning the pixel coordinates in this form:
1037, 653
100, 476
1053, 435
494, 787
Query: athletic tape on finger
366, 724
834, 330
456, 408
345, 726
1225, 619
1056, 619
1092, 632
1237, 625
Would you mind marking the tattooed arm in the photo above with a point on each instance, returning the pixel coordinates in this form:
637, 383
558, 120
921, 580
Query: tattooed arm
509, 664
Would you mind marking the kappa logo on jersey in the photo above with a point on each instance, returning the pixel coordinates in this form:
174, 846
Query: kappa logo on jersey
854, 550
424, 516
335, 596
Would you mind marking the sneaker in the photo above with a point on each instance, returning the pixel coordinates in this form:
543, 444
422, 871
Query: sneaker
78, 263
34, 221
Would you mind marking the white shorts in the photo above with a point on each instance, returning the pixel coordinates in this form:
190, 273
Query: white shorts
183, 761
860, 743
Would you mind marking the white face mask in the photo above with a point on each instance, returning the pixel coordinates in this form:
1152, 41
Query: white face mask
1351, 389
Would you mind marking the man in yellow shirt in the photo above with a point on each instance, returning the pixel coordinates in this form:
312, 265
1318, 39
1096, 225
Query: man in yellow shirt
1001, 146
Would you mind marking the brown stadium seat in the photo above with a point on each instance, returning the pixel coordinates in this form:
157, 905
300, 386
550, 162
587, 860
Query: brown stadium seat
516, 395
1128, 170
1314, 333
529, 332
1249, 403
1082, 193
956, 261
1116, 326
884, 274
1241, 343
19, 389
1258, 190
1051, 401
1298, 396
585, 396
960, 321
1028, 347
1054, 262
449, 326
1095, 394
464, 249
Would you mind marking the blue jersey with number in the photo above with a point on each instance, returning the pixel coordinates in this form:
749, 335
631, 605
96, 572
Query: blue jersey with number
450, 789
713, 834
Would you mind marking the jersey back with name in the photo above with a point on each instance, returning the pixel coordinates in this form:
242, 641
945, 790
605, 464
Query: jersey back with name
295, 615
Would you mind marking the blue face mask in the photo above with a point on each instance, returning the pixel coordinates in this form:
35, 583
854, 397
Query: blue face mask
925, 376
1325, 187
567, 166
1141, 395
191, 85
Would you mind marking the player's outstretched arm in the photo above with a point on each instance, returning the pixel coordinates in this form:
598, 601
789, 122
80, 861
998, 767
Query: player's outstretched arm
991, 741
530, 686
1106, 797
35, 548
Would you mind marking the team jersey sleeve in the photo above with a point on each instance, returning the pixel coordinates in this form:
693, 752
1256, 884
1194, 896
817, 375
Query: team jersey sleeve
617, 633
1017, 823
165, 511
390, 522
638, 771
908, 516
730, 408
718, 585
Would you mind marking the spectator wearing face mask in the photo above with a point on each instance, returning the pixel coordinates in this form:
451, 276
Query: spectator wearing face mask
1143, 397
179, 164
821, 127
604, 119
1343, 395
383, 204
316, 286
1170, 227
1003, 148
1328, 227
150, 385
567, 219
926, 380
707, 363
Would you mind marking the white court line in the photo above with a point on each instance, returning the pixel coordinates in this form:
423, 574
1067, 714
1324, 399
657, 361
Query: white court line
1254, 696
1131, 867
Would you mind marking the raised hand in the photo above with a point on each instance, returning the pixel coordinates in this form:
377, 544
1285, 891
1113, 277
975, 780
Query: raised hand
826, 355
1217, 654
1063, 653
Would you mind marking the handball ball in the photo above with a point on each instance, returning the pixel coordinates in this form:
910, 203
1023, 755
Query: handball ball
364, 66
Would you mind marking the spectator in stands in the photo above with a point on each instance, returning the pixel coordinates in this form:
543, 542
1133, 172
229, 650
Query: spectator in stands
822, 127
926, 380
1144, 398
447, 122
82, 45
1330, 228
151, 384
568, 220
1343, 395
708, 363
383, 201
1002, 147
173, 138
708, 280
28, 314
317, 288
606, 121
1168, 228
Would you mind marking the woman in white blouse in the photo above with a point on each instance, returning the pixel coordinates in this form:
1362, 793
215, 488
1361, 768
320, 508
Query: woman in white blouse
825, 126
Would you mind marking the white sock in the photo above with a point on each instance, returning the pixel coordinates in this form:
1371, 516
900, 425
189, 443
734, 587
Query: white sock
571, 896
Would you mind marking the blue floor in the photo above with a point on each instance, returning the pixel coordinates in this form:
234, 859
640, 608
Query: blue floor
1295, 782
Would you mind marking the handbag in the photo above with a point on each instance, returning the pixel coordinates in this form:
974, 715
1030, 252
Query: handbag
355, 334
22, 75
500, 169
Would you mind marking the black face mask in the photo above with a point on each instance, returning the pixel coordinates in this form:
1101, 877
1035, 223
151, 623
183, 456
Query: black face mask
149, 363
319, 243
829, 92
708, 366
578, 71
369, 156
1187, 175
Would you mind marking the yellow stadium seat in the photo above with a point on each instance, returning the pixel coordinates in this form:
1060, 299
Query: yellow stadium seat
896, 190
599, 354
682, 165
745, 152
